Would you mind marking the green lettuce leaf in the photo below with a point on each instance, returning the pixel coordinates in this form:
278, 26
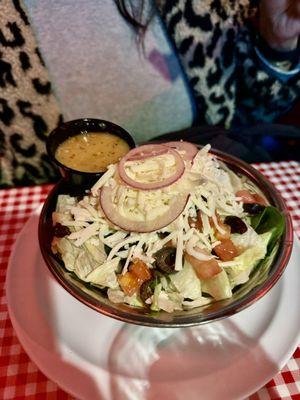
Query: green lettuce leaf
270, 220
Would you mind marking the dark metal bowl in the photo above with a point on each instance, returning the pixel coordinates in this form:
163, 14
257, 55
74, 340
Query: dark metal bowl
241, 298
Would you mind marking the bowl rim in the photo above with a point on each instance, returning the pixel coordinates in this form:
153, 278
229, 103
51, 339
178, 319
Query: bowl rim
68, 125
278, 265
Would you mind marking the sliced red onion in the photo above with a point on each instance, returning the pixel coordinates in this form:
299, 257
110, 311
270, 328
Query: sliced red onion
112, 213
151, 150
189, 148
146, 151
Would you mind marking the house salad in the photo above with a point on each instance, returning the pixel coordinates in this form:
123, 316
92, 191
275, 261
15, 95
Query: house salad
169, 227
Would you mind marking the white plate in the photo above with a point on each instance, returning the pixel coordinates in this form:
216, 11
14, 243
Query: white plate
94, 357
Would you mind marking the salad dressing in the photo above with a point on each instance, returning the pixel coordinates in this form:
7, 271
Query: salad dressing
91, 152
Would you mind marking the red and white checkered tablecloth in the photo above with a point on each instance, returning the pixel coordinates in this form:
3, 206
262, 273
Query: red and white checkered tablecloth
19, 376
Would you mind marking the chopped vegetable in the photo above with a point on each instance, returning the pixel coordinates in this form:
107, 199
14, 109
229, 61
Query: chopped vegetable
196, 222
226, 250
129, 283
270, 220
251, 198
165, 259
143, 154
218, 286
60, 230
226, 230
236, 224
245, 196
187, 149
204, 269
186, 282
131, 221
253, 208
140, 270
147, 289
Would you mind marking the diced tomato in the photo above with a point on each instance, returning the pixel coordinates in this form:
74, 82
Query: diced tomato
251, 198
129, 283
226, 250
196, 222
226, 234
204, 269
246, 196
140, 270
260, 200
199, 224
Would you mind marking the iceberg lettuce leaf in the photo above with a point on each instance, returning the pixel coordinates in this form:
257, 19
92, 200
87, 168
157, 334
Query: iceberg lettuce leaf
186, 282
244, 263
218, 286
105, 275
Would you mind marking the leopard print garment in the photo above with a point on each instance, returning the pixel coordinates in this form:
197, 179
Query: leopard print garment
215, 45
28, 108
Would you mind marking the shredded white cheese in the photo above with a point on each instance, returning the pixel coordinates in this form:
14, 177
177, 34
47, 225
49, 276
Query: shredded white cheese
104, 178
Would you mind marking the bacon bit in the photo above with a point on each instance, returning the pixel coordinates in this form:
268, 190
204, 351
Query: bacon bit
226, 250
204, 269
140, 270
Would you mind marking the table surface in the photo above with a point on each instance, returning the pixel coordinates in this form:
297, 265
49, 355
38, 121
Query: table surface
20, 377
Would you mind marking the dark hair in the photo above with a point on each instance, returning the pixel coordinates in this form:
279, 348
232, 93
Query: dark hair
138, 14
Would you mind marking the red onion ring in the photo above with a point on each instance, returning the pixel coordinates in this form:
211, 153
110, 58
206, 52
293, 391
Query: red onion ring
189, 148
112, 214
146, 151
151, 150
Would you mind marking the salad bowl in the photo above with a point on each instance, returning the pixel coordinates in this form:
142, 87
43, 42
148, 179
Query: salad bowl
261, 279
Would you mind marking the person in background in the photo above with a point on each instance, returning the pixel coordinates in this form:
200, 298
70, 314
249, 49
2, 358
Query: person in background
241, 57
62, 60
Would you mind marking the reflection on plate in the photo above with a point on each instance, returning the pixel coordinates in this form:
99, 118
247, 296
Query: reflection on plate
95, 357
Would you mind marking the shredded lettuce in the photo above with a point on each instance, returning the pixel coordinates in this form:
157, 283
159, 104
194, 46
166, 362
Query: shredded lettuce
105, 275
187, 282
157, 290
246, 240
133, 301
218, 286
245, 262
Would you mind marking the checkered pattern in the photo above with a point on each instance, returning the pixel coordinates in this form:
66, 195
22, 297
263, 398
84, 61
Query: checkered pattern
19, 376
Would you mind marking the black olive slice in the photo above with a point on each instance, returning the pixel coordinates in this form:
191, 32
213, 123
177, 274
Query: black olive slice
253, 208
60, 230
165, 259
146, 289
236, 224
